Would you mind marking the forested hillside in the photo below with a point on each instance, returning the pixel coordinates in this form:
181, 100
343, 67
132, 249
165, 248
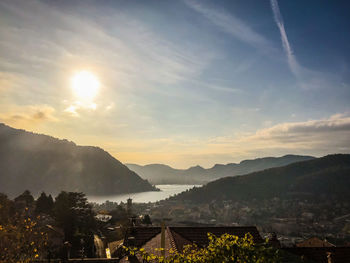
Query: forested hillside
326, 177
42, 163
164, 174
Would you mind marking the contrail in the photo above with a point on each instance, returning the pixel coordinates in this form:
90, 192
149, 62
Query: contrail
293, 64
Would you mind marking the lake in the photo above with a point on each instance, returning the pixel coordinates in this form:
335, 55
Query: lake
166, 190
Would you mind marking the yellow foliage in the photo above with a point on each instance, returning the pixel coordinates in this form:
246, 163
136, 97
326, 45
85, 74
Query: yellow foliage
227, 248
21, 241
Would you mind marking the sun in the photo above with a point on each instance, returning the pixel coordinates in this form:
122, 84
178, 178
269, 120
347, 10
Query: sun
85, 86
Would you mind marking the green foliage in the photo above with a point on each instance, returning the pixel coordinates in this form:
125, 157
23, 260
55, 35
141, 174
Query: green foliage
227, 248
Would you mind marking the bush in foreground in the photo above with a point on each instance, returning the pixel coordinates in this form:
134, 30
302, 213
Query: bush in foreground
227, 248
21, 240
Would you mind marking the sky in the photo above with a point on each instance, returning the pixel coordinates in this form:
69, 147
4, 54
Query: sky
183, 82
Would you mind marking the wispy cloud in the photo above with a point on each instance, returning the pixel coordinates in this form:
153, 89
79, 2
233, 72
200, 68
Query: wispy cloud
317, 137
308, 131
292, 62
155, 83
307, 79
132, 60
132, 51
232, 25
331, 133
28, 116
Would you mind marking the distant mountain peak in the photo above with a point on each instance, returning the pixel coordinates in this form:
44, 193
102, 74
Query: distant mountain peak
197, 167
314, 178
163, 174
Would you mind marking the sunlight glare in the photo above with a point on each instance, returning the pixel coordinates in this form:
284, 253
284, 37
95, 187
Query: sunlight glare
85, 86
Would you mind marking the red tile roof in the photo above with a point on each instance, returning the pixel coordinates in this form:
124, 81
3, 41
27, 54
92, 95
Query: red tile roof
177, 237
199, 235
314, 242
180, 236
138, 236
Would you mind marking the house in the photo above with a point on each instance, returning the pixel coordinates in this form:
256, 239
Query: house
115, 246
321, 254
320, 251
103, 217
149, 238
314, 242
55, 237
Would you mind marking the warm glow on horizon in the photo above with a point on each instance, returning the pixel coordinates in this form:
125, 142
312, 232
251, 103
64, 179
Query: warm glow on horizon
204, 85
85, 86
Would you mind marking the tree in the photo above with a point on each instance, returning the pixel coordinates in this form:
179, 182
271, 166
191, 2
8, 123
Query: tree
147, 220
44, 204
119, 214
25, 199
74, 214
7, 209
227, 248
22, 240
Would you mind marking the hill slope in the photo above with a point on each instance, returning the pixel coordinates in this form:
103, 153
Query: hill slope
42, 163
326, 177
163, 174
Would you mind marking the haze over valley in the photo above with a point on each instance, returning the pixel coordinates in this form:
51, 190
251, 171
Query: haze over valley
163, 174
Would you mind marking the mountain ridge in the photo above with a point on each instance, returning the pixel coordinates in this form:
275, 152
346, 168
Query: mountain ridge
162, 173
327, 176
68, 166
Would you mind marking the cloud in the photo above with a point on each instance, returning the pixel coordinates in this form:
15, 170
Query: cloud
28, 116
152, 85
136, 64
313, 137
78, 106
326, 135
308, 79
231, 25
130, 56
292, 62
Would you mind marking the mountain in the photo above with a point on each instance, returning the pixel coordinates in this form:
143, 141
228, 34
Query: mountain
42, 163
327, 178
163, 174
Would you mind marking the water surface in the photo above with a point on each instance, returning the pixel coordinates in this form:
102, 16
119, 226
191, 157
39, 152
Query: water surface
166, 190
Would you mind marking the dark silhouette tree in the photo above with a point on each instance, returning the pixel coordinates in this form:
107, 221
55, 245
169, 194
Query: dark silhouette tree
147, 220
75, 215
26, 196
6, 209
44, 204
23, 201
118, 214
